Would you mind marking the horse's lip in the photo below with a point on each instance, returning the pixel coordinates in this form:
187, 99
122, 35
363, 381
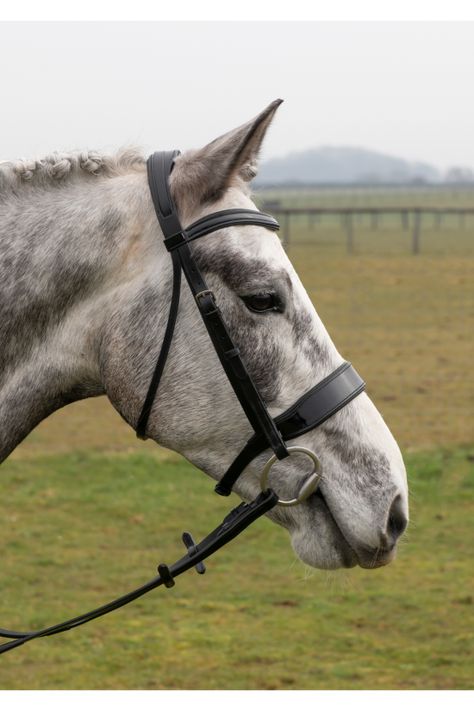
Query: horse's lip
369, 558
363, 556
349, 555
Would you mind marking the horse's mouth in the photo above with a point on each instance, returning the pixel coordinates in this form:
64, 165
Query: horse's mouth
346, 554
350, 555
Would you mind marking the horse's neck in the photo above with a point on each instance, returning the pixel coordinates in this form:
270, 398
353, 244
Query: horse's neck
63, 254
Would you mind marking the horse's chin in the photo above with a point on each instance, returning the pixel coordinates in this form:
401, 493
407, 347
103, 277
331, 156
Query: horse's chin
316, 538
326, 555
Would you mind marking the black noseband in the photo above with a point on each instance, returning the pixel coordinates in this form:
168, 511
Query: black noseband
310, 411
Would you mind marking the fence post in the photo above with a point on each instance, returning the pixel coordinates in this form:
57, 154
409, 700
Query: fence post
349, 233
286, 230
416, 231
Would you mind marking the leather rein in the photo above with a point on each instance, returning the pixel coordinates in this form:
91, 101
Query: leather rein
308, 412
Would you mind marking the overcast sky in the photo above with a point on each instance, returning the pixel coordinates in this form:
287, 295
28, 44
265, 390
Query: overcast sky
401, 88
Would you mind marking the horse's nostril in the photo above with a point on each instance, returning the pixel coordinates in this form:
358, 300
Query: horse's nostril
397, 520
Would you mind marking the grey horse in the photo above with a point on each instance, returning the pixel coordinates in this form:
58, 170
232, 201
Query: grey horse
84, 293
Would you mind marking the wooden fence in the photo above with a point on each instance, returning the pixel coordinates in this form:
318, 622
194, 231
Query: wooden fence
408, 216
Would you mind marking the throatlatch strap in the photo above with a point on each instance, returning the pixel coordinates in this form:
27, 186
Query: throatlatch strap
165, 347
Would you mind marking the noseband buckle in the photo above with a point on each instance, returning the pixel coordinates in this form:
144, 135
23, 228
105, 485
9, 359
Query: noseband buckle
308, 487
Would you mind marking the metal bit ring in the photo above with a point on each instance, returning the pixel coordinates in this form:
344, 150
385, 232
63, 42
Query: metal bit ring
309, 486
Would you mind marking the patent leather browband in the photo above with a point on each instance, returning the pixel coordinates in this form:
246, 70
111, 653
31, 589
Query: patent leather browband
218, 220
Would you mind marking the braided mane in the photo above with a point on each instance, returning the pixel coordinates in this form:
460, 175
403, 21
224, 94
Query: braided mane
56, 168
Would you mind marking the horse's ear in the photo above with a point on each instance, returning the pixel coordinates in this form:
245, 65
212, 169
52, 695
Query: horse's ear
206, 174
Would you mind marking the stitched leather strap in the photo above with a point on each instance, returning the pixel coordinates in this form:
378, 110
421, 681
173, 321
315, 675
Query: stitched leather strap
218, 220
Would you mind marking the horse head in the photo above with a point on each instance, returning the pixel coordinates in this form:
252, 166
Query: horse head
85, 290
360, 507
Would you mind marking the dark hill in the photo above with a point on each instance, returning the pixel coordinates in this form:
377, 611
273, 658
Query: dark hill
343, 165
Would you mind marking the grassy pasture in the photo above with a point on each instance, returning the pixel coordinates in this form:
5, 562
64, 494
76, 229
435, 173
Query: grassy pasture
90, 511
371, 196
258, 619
445, 234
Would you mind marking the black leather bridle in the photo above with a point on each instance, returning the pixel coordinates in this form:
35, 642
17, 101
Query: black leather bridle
308, 412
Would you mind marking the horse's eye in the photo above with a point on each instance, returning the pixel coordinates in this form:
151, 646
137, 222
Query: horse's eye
262, 302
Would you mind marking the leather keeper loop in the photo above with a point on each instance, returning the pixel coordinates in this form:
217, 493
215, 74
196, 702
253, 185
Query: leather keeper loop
175, 241
232, 353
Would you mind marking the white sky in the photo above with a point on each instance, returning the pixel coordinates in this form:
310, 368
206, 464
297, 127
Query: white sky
402, 88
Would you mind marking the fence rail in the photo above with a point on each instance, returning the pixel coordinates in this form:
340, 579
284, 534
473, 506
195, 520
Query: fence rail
408, 215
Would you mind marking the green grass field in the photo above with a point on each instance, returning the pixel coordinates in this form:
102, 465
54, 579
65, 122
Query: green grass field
371, 196
258, 619
88, 512
389, 234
